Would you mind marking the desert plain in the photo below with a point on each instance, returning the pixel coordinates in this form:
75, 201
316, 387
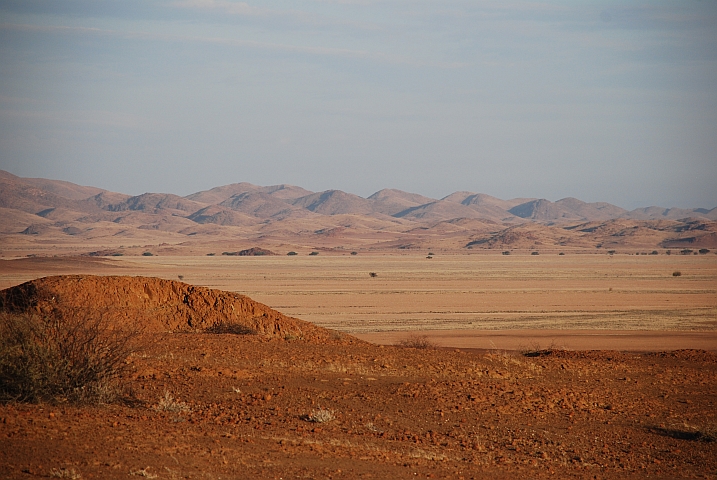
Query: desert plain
549, 366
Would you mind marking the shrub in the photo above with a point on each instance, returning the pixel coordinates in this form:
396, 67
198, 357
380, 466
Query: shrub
704, 251
354, 253
232, 328
534, 253
292, 253
321, 415
68, 356
314, 253
65, 473
169, 404
506, 252
147, 254
676, 273
417, 341
373, 274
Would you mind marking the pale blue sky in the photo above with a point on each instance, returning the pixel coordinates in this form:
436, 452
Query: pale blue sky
605, 101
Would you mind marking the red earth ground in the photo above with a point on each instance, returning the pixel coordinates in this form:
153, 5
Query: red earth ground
203, 405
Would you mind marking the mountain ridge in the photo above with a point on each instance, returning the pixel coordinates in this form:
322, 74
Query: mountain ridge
389, 218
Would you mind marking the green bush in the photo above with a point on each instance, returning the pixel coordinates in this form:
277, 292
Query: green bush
67, 356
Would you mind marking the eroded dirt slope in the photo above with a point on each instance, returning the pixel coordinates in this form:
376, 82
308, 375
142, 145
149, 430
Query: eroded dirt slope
160, 305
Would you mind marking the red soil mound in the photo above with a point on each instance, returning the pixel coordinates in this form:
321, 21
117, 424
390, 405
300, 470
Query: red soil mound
160, 305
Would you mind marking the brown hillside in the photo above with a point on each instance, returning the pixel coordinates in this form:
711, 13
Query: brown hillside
160, 305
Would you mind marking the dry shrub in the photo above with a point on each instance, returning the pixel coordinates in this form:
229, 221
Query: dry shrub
169, 404
72, 356
676, 273
417, 341
232, 328
320, 415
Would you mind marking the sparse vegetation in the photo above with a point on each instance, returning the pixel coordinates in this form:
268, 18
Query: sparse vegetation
417, 341
611, 252
65, 473
230, 328
168, 404
320, 415
373, 274
143, 472
66, 356
685, 251
535, 350
181, 277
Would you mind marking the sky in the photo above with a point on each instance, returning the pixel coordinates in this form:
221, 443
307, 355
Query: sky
612, 101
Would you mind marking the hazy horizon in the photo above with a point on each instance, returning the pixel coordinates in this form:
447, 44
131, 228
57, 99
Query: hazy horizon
603, 101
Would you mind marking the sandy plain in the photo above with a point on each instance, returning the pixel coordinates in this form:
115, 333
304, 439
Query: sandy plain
623, 302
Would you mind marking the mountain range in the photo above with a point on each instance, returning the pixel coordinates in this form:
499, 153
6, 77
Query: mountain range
48, 210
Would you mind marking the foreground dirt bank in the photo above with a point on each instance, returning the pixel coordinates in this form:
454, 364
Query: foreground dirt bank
235, 407
522, 340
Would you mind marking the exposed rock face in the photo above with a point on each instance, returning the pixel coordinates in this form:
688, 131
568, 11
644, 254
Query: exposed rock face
159, 305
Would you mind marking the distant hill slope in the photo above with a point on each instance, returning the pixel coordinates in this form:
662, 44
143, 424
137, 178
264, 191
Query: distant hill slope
335, 202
